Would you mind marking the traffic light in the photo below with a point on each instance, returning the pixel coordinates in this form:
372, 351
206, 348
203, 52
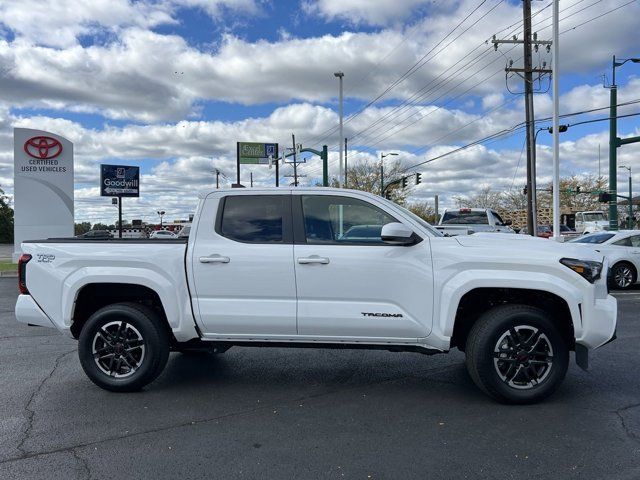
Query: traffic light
418, 178
577, 188
604, 197
404, 182
524, 190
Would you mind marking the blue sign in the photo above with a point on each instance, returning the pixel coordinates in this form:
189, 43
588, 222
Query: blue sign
119, 181
270, 149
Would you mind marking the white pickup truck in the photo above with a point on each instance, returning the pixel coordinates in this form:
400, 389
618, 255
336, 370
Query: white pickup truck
466, 221
590, 222
321, 267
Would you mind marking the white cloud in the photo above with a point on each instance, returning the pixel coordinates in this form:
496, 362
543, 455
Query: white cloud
61, 23
149, 77
363, 11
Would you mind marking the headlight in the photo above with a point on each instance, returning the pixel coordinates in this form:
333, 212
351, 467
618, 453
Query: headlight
588, 269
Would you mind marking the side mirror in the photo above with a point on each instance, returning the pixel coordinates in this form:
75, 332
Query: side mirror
397, 234
508, 223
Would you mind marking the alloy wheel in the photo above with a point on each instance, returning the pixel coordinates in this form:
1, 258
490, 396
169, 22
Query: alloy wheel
523, 357
623, 276
118, 349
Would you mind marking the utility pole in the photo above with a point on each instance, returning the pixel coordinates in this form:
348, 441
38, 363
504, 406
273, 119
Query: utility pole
437, 202
345, 162
217, 178
340, 75
527, 75
295, 161
556, 120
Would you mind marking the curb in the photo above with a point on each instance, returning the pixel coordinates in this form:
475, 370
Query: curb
8, 274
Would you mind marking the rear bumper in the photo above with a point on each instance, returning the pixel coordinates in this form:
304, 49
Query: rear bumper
27, 311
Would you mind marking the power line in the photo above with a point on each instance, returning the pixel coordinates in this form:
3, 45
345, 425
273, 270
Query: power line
512, 130
543, 20
414, 68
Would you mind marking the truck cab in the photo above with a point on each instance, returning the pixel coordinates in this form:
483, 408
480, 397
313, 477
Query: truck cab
590, 222
466, 221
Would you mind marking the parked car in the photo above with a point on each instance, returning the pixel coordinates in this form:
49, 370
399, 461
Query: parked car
96, 235
162, 234
544, 231
184, 233
589, 222
566, 231
273, 267
465, 221
622, 250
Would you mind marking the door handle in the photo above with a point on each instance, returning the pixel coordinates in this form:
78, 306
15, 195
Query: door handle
214, 259
313, 259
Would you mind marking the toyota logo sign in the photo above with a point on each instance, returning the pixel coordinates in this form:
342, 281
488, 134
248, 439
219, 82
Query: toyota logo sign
43, 147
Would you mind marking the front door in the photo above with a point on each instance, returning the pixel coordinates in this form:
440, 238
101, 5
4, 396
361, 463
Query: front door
350, 284
243, 280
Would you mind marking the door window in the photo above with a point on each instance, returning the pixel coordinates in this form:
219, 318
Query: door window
342, 221
254, 218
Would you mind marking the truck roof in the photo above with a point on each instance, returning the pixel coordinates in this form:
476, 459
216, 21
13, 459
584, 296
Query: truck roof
268, 190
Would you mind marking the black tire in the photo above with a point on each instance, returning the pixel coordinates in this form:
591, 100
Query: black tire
491, 353
111, 330
623, 276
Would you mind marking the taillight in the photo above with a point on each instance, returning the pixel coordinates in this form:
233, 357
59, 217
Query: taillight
22, 273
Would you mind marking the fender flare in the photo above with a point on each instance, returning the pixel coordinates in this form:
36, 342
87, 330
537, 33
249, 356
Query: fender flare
162, 286
459, 285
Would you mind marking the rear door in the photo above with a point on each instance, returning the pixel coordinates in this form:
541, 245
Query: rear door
242, 265
350, 284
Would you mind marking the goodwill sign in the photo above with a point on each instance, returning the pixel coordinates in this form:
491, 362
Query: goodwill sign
119, 181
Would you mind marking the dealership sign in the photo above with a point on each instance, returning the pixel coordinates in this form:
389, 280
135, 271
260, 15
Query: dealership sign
42, 186
119, 181
257, 153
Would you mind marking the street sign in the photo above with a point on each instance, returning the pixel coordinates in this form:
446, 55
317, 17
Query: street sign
252, 153
119, 181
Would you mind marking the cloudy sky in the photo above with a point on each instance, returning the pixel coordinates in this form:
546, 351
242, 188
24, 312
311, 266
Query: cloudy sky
172, 85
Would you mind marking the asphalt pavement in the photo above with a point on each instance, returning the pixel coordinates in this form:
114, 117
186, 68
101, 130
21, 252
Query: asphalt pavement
310, 414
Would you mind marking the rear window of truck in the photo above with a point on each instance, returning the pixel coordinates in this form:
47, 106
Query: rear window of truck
254, 219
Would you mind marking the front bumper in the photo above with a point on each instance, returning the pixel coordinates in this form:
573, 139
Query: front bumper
27, 311
598, 322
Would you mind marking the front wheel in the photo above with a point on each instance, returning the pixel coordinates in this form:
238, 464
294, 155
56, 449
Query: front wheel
516, 354
123, 347
623, 276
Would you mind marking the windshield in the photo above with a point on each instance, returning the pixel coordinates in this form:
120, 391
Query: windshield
454, 217
422, 222
594, 217
593, 238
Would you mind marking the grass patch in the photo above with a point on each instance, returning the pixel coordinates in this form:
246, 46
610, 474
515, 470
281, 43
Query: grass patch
8, 267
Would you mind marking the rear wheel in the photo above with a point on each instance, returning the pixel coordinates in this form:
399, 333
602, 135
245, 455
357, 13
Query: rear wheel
623, 276
515, 354
123, 347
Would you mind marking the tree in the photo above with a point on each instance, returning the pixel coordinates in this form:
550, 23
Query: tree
6, 219
587, 199
365, 176
100, 226
424, 210
486, 198
81, 228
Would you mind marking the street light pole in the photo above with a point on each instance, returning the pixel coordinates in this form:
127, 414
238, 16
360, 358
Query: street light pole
614, 143
340, 75
161, 213
630, 219
382, 155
